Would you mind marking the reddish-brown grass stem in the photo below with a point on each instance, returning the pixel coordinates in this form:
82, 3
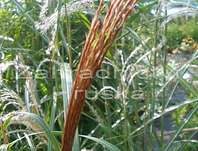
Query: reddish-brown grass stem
100, 37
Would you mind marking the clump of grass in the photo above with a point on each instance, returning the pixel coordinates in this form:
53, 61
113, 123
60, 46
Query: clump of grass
143, 90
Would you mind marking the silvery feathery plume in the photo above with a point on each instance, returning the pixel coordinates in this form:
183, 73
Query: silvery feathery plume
9, 98
44, 9
53, 36
46, 22
10, 95
30, 120
50, 22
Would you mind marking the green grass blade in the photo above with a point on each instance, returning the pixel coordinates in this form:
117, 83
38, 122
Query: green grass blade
181, 128
102, 142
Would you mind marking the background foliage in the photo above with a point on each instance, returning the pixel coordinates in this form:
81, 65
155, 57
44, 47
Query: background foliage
144, 98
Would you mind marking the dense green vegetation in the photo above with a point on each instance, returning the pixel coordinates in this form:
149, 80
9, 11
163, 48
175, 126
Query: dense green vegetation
187, 28
144, 97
